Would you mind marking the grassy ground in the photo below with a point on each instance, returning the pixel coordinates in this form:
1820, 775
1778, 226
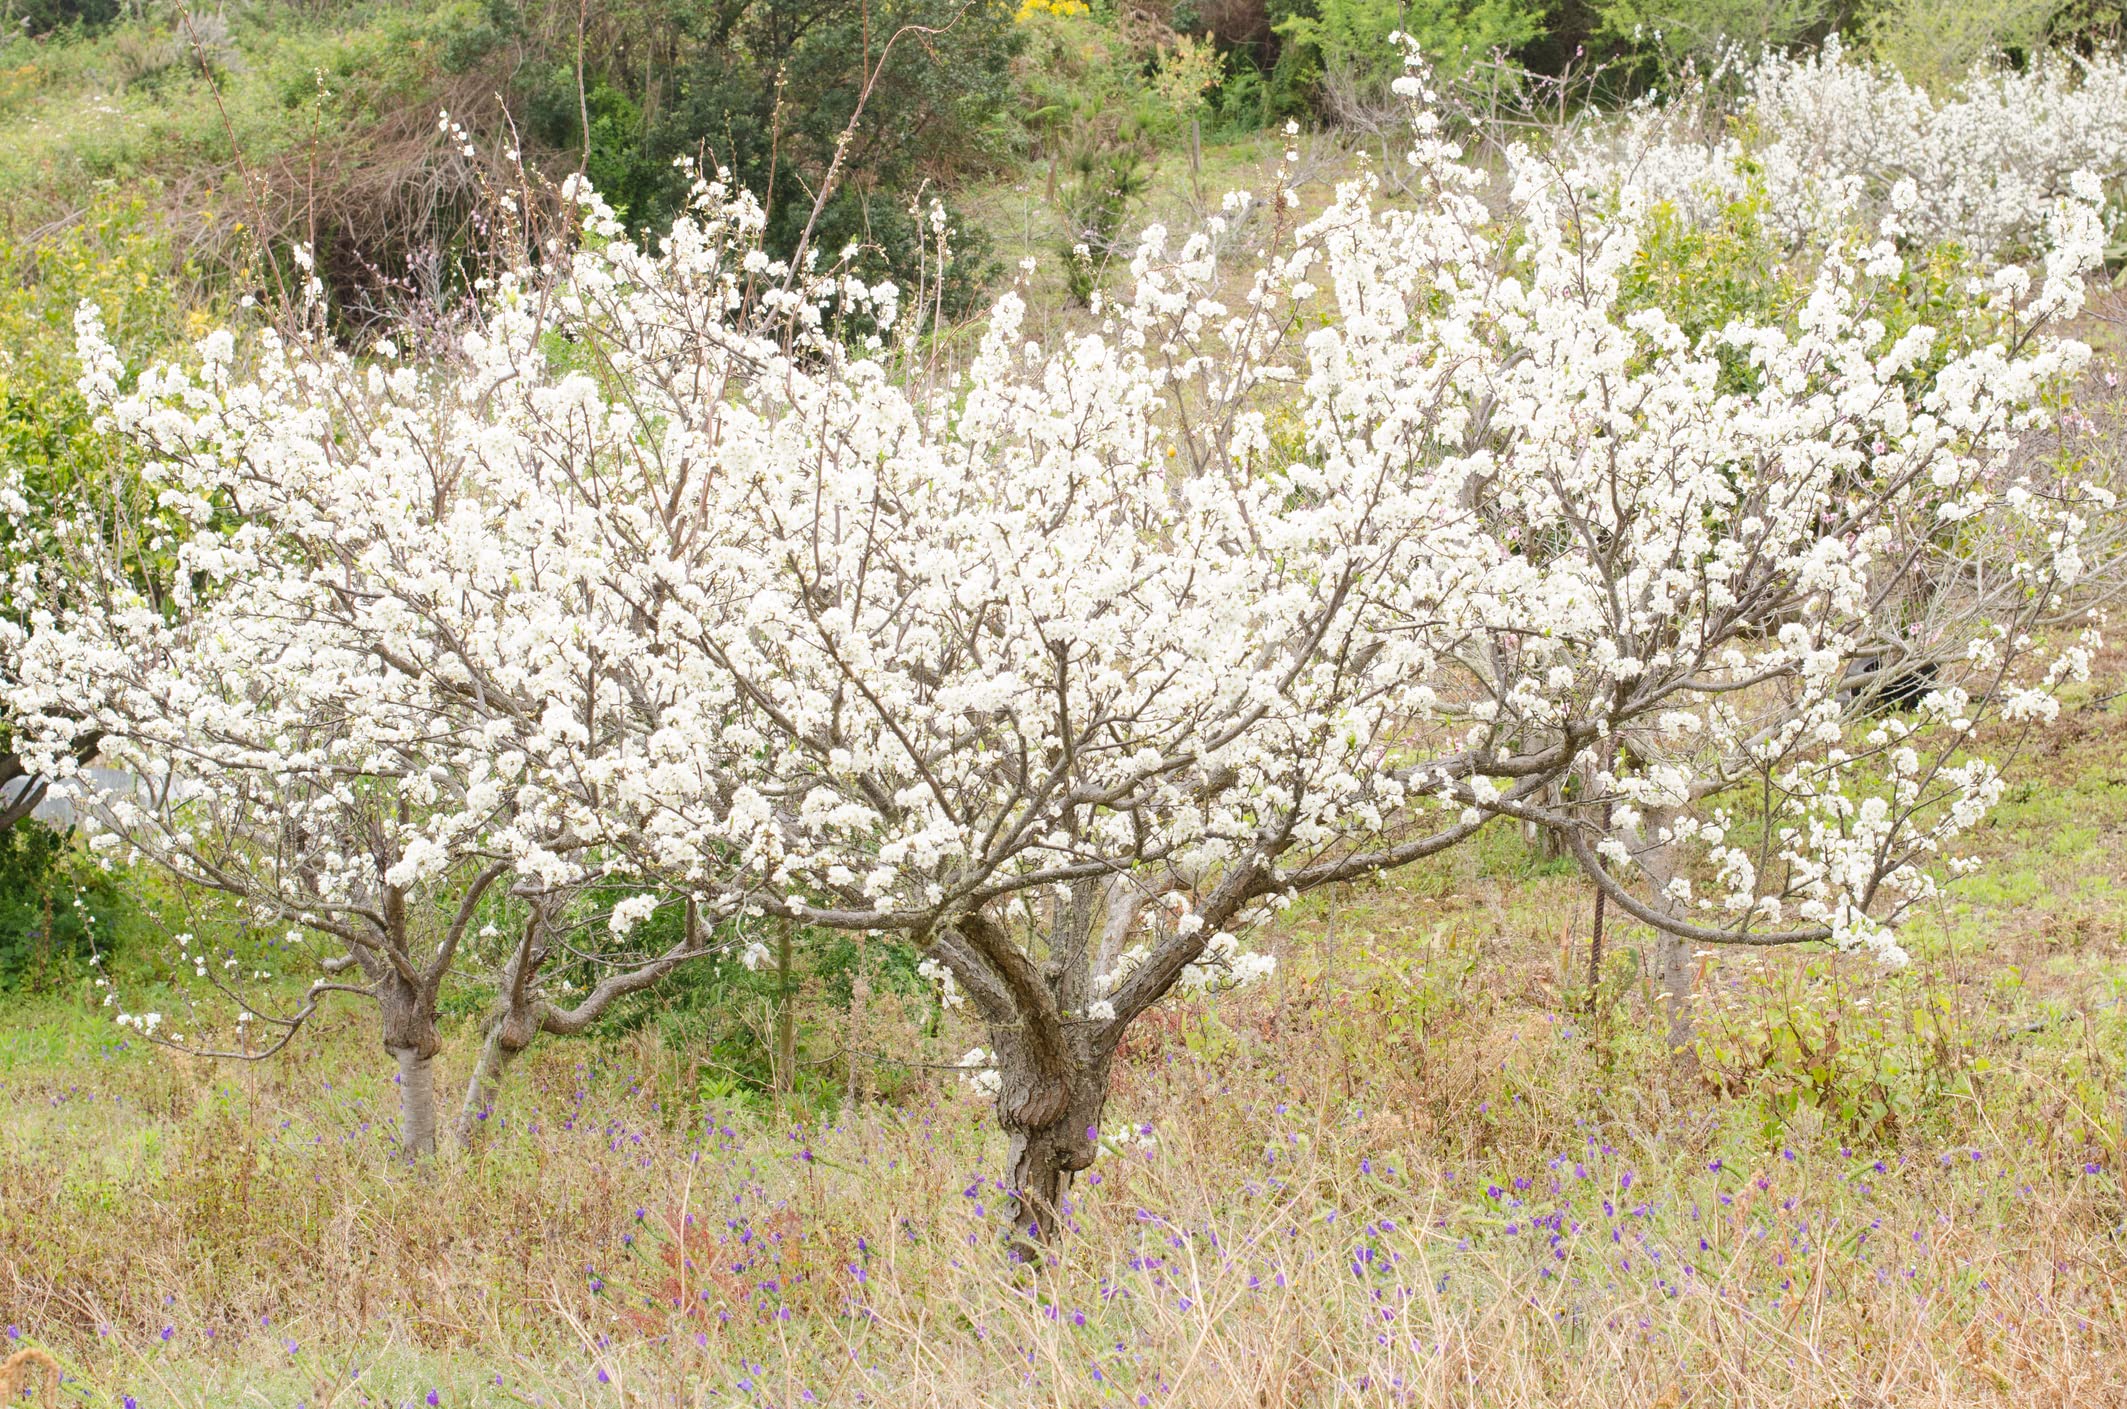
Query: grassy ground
1414, 1167
1023, 217
135, 107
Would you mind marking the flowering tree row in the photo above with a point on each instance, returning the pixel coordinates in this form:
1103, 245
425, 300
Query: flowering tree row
1825, 138
1324, 549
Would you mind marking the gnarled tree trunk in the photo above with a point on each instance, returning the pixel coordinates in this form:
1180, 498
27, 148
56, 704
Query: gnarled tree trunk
521, 1012
1054, 1128
408, 1010
511, 1025
1052, 1058
509, 1032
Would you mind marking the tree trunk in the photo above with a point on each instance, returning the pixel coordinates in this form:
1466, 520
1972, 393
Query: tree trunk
1595, 931
512, 1023
480, 1088
1122, 904
1044, 1155
417, 1100
786, 1021
1053, 1117
508, 1035
1673, 954
408, 1013
1677, 982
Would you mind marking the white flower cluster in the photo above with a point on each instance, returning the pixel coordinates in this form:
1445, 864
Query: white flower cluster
1223, 965
1830, 141
949, 994
1219, 966
629, 913
981, 1077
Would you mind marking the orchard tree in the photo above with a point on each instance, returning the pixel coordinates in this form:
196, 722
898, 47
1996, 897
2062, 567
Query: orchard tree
333, 717
792, 629
1857, 551
1195, 607
267, 774
525, 1004
985, 661
1855, 545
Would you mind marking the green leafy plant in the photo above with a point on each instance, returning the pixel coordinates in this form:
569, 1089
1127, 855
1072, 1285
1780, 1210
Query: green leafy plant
1096, 197
57, 910
1346, 42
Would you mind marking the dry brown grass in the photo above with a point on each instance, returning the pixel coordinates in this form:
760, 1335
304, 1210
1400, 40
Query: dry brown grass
1312, 1225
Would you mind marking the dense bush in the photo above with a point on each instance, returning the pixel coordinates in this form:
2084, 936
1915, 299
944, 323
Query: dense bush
1346, 41
766, 89
56, 910
43, 17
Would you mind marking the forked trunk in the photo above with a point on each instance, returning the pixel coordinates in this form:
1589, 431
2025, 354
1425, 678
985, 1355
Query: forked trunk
506, 1037
511, 1025
521, 1013
1052, 1057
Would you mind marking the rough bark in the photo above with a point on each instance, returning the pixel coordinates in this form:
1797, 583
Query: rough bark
1043, 1159
508, 1033
406, 1005
1122, 903
1052, 1067
511, 1025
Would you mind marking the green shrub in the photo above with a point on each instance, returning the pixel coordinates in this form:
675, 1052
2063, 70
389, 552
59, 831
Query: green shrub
1935, 43
1347, 41
765, 89
37, 18
721, 1016
56, 908
1700, 30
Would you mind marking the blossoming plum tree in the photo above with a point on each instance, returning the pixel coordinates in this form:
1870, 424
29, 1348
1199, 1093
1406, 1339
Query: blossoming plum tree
266, 769
1830, 139
327, 723
1703, 546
